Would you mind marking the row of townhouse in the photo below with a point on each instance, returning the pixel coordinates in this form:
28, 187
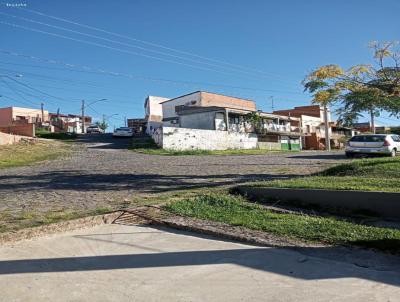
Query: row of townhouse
25, 121
204, 120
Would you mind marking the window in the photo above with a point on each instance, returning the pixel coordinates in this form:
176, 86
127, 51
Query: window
396, 138
234, 120
357, 139
375, 138
368, 138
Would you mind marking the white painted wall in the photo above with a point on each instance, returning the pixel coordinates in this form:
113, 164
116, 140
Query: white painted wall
168, 108
153, 113
311, 121
199, 139
153, 105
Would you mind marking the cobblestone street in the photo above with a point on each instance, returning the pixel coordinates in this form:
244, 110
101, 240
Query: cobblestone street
102, 172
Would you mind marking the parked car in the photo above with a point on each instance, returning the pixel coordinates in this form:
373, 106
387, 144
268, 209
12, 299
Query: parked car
380, 144
123, 132
94, 129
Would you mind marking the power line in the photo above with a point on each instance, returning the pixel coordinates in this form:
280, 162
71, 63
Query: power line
61, 80
67, 80
131, 76
145, 42
56, 79
14, 100
126, 44
111, 48
90, 107
16, 91
37, 90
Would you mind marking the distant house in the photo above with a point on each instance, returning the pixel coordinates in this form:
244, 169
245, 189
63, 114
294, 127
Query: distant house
71, 123
153, 112
138, 125
23, 121
153, 116
214, 121
366, 127
205, 120
19, 115
171, 107
312, 124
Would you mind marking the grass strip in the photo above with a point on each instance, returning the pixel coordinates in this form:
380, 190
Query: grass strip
373, 174
25, 153
58, 136
336, 183
237, 211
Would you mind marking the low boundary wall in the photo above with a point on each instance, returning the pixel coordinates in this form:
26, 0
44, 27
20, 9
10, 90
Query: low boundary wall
19, 129
384, 204
9, 139
198, 139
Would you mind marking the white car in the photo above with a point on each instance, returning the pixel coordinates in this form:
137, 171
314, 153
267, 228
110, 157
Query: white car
94, 129
123, 132
380, 144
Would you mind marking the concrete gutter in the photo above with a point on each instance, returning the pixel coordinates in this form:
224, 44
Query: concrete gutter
383, 204
54, 228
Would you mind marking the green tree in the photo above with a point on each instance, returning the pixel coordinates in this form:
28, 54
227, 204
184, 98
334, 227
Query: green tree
254, 119
361, 88
102, 125
323, 85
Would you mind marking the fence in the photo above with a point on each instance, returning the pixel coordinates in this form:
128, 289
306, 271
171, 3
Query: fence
19, 129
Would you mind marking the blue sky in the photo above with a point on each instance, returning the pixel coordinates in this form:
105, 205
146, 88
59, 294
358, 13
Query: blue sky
271, 44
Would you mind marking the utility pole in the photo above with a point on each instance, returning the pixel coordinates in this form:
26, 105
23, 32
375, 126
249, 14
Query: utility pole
327, 136
83, 116
372, 121
83, 111
272, 102
59, 123
126, 123
42, 110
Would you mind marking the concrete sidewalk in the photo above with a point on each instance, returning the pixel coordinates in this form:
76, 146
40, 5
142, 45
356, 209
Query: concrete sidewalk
142, 263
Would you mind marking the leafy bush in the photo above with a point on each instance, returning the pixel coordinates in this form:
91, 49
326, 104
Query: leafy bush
54, 135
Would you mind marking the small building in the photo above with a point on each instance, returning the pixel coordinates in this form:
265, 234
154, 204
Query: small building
367, 127
209, 121
23, 121
138, 125
153, 113
171, 107
312, 124
274, 131
70, 123
20, 115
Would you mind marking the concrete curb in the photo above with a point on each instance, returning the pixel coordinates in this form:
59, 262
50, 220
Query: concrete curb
160, 217
54, 228
385, 204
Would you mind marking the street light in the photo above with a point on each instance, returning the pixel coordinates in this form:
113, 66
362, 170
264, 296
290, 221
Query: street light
101, 100
106, 117
83, 111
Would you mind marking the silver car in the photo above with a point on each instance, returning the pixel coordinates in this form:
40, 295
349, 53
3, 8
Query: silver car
94, 129
380, 144
123, 132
